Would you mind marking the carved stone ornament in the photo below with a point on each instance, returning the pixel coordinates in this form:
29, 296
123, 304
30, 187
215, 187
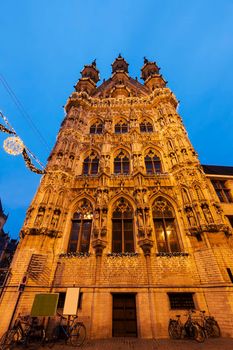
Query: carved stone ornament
146, 245
99, 245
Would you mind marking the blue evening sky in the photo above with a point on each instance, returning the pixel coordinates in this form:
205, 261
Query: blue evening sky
44, 45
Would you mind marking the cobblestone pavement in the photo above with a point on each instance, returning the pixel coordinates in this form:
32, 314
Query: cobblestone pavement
153, 344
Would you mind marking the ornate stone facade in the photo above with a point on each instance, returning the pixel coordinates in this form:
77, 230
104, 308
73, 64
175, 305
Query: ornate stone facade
125, 208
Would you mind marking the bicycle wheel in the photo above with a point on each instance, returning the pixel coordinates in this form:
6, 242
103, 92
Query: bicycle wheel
198, 333
174, 330
213, 330
9, 339
78, 334
36, 336
54, 338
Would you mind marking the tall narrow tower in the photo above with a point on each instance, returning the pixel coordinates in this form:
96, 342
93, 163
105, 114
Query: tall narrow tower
125, 212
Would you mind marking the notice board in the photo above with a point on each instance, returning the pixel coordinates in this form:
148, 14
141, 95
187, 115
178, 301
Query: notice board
71, 301
45, 304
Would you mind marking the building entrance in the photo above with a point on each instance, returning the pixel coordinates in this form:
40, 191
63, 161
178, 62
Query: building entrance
124, 323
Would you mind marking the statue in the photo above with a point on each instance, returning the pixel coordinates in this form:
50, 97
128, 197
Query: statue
55, 218
39, 217
207, 213
190, 217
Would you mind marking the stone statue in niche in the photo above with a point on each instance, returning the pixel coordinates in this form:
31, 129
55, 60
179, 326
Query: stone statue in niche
173, 158
207, 213
138, 197
133, 122
140, 222
144, 197
190, 216
105, 197
28, 215
161, 122
108, 125
147, 221
55, 218
70, 161
99, 197
39, 217
105, 163
137, 162
96, 223
104, 222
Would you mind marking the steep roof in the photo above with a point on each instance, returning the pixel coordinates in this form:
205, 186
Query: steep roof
218, 169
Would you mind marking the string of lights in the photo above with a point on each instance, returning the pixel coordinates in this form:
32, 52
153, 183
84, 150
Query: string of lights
21, 108
14, 145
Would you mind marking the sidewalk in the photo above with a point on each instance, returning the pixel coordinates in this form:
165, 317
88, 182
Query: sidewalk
153, 344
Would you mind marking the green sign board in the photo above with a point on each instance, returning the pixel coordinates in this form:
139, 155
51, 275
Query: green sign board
45, 304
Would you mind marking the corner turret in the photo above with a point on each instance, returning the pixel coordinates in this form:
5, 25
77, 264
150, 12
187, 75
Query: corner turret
151, 76
90, 76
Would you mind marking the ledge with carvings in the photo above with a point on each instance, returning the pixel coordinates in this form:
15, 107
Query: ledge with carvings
75, 255
213, 228
37, 231
171, 254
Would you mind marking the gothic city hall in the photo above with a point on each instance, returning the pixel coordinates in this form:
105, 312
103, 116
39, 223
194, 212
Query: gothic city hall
126, 213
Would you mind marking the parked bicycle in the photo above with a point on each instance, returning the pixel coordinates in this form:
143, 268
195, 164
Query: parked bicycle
26, 331
69, 330
210, 326
190, 329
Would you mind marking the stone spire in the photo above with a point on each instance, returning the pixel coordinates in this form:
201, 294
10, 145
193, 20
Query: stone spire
90, 76
151, 76
120, 65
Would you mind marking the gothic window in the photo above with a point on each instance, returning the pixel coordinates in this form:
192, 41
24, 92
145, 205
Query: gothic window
81, 228
121, 127
152, 163
91, 164
165, 227
122, 227
146, 126
96, 128
121, 163
222, 191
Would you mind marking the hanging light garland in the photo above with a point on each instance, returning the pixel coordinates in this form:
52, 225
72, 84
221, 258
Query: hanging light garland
14, 145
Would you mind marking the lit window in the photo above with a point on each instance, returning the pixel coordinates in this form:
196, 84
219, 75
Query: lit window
91, 164
165, 227
181, 301
81, 228
122, 227
152, 163
96, 128
146, 126
121, 127
121, 163
222, 191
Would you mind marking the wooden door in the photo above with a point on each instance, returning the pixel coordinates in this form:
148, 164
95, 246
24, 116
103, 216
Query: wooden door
124, 315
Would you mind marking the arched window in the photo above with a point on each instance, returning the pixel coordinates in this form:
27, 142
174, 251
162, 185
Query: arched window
122, 227
165, 226
81, 228
91, 164
121, 127
96, 128
121, 163
152, 163
146, 126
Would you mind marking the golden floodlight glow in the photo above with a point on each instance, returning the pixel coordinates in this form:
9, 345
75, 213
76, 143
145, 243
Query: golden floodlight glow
13, 145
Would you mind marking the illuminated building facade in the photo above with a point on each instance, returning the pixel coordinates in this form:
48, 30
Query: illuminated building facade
126, 212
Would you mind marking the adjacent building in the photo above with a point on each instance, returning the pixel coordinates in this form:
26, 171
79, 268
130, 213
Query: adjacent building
126, 212
7, 249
